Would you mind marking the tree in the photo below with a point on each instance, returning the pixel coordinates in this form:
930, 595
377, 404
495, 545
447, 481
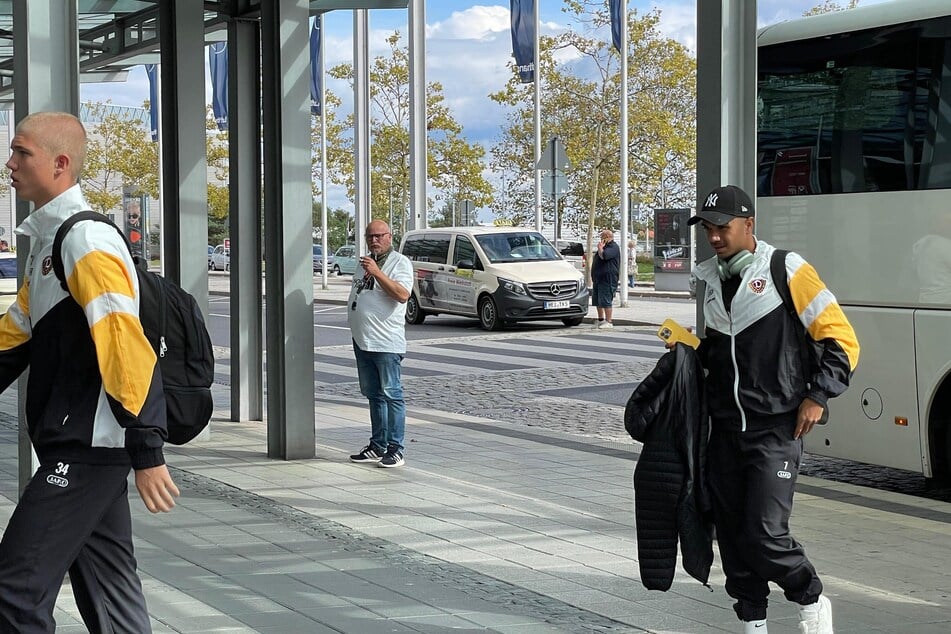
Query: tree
339, 227
581, 78
216, 151
829, 6
454, 166
119, 156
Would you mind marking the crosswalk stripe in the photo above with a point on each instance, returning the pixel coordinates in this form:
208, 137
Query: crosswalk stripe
336, 365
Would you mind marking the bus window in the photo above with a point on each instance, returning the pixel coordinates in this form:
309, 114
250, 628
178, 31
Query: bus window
858, 112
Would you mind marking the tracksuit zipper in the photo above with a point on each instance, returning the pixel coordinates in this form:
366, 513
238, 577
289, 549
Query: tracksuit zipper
736, 376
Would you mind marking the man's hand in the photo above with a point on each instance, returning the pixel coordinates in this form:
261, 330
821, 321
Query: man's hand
156, 488
809, 414
370, 266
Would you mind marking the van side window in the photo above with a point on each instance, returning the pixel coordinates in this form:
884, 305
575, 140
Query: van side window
435, 248
463, 250
412, 247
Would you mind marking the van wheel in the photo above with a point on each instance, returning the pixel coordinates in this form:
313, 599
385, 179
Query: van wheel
489, 314
336, 270
414, 315
572, 321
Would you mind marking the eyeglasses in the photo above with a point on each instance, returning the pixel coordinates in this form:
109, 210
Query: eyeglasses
370, 237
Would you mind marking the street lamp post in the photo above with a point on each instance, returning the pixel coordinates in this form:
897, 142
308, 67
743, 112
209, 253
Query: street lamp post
389, 182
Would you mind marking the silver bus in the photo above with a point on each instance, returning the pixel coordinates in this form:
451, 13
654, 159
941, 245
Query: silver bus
854, 173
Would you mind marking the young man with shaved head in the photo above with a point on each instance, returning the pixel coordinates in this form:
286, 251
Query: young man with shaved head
763, 398
94, 403
377, 318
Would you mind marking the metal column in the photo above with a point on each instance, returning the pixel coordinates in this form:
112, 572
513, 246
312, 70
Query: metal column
726, 103
362, 195
285, 44
184, 171
418, 212
245, 220
45, 77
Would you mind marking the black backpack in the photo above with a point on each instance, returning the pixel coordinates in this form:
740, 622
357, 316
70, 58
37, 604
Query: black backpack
174, 326
810, 351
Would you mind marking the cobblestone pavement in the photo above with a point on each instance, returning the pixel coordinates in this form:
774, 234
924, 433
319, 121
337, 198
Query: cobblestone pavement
511, 396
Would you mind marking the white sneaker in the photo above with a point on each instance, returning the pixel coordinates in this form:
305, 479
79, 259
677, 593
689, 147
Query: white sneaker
754, 627
816, 618
597, 324
605, 324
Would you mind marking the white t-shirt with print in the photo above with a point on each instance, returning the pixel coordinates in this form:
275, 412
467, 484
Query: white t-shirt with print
377, 321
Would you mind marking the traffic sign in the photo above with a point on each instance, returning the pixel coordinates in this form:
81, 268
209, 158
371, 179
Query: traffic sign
554, 183
553, 156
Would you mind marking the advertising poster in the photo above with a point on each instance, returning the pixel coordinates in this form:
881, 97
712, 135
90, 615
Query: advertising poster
671, 241
792, 172
133, 206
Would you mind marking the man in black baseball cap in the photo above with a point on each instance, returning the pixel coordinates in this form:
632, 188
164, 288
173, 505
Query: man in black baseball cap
724, 204
760, 409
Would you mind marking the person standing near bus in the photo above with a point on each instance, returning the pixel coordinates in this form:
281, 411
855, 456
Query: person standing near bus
761, 408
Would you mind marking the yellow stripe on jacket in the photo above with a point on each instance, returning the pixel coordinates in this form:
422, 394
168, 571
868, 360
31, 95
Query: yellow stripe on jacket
104, 288
15, 328
821, 313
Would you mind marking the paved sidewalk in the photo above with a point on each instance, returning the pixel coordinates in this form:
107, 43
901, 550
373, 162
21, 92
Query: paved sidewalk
490, 526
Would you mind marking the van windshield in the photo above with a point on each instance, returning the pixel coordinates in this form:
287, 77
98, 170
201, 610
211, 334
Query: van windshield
521, 246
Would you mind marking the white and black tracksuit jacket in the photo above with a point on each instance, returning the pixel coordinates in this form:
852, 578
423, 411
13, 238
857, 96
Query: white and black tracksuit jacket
95, 391
753, 351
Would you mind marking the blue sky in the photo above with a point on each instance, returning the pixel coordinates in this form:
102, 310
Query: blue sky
468, 45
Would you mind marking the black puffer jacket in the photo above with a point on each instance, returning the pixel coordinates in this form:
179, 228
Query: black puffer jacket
667, 413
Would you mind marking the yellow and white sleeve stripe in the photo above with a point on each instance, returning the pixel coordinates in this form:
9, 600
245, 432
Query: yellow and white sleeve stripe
819, 310
15, 327
104, 284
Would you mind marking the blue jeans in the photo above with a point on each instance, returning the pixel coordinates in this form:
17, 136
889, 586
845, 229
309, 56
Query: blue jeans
380, 382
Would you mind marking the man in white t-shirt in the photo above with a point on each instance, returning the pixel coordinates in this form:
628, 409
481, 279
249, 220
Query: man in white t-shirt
376, 313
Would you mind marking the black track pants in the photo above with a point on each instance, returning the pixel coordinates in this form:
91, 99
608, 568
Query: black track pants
752, 480
72, 517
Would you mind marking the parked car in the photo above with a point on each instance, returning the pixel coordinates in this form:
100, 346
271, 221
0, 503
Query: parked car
319, 259
8, 280
573, 251
499, 276
211, 250
345, 260
220, 259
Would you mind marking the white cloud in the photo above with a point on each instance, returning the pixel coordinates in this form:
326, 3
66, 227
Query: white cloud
474, 23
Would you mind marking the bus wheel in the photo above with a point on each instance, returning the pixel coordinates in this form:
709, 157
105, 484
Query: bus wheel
489, 314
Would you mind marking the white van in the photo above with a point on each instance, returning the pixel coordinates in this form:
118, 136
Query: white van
500, 275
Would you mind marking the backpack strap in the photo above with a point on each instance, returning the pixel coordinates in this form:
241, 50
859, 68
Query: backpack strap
64, 228
777, 269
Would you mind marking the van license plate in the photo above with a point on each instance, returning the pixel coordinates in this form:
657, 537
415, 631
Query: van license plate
563, 303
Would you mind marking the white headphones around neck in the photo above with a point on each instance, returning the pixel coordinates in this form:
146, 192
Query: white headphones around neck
735, 265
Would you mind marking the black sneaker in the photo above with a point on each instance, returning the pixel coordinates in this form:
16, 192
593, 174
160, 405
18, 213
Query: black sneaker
392, 458
367, 454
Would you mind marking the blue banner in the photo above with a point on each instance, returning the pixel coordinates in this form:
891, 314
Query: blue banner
617, 22
523, 38
316, 77
218, 65
151, 70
